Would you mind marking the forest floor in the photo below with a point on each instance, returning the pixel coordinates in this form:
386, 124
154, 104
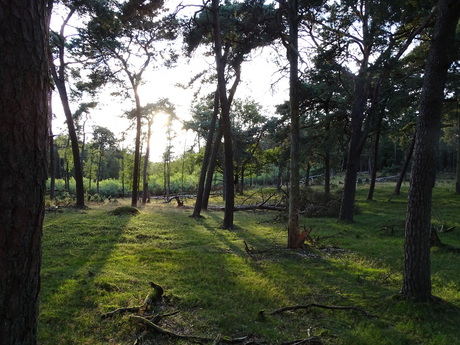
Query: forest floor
225, 285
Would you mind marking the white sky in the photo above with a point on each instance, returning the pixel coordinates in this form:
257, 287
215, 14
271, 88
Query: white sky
257, 78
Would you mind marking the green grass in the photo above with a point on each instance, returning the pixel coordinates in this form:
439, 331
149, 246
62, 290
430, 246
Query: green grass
95, 262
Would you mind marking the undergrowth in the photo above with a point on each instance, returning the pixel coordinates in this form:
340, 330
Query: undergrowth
95, 262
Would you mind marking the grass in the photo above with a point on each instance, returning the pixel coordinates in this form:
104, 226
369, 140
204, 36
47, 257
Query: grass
95, 261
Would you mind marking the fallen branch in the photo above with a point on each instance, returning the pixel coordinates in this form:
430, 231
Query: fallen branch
157, 329
260, 206
315, 305
176, 197
252, 251
306, 341
121, 311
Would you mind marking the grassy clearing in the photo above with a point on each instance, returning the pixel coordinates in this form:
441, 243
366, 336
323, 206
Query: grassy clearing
95, 262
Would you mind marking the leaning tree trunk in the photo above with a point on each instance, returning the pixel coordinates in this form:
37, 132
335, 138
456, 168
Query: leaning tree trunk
60, 84
23, 146
405, 167
212, 167
416, 285
59, 79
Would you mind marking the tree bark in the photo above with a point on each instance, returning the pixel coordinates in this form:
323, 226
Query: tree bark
375, 155
457, 182
294, 179
416, 285
137, 147
206, 159
52, 154
356, 145
23, 147
212, 167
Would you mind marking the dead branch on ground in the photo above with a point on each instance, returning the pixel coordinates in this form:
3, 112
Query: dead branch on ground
157, 329
306, 341
121, 311
315, 305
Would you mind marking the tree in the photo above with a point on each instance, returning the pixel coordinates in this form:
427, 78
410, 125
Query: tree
292, 47
148, 113
248, 129
207, 169
23, 148
58, 43
103, 139
121, 36
234, 30
372, 36
416, 284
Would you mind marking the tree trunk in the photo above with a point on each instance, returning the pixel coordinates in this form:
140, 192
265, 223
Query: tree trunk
370, 194
416, 285
225, 103
405, 167
294, 179
206, 159
212, 167
137, 148
59, 80
52, 154
457, 183
242, 180
23, 150
60, 84
355, 148
327, 173
145, 190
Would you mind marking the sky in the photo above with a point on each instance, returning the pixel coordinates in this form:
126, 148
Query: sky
257, 79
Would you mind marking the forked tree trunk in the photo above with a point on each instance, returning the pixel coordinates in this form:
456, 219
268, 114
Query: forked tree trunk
23, 146
206, 159
416, 285
355, 148
225, 102
375, 155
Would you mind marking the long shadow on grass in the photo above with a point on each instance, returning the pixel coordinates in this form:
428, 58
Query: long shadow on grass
76, 246
231, 288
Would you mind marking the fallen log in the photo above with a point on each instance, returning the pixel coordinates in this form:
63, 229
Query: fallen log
250, 208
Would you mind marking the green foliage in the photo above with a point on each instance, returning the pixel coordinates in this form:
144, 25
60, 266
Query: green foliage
94, 263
